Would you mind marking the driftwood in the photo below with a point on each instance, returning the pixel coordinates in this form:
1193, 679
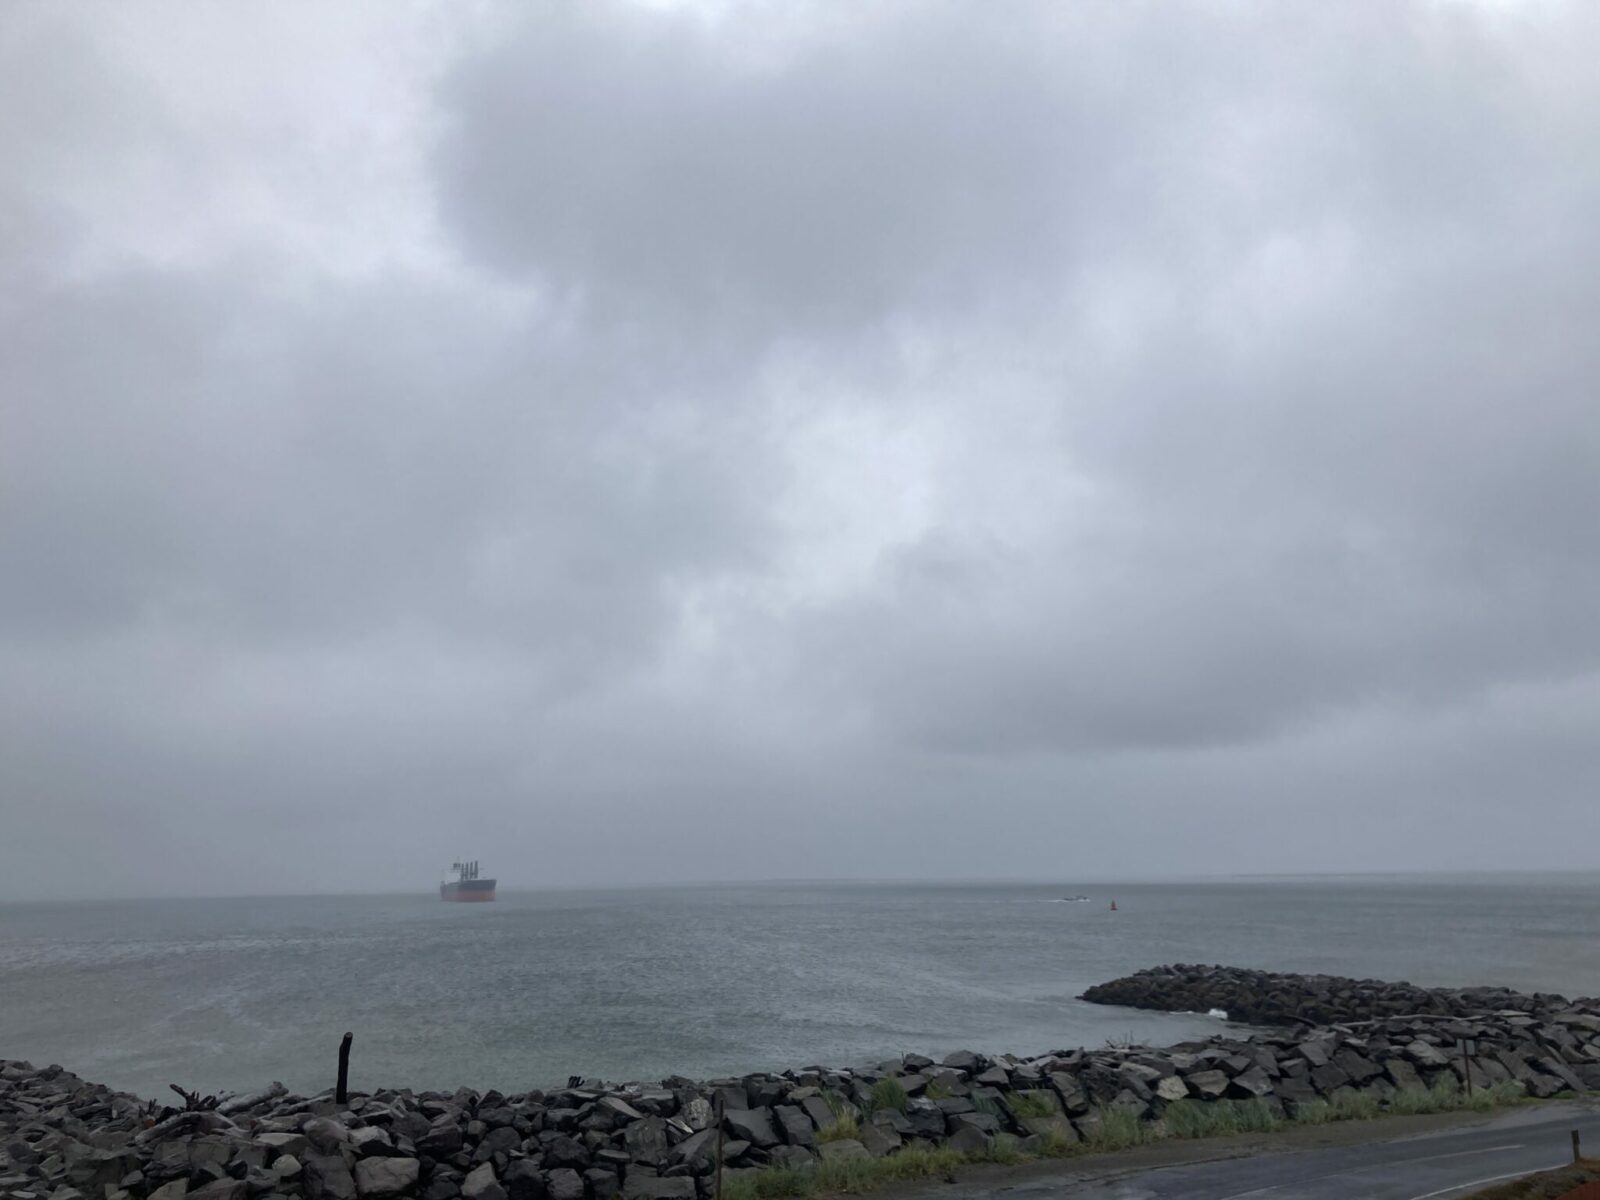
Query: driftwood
194, 1121
193, 1101
251, 1099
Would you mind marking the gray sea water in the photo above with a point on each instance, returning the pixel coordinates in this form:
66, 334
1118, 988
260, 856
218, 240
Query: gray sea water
638, 984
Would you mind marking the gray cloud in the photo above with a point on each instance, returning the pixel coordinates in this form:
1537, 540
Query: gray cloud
664, 443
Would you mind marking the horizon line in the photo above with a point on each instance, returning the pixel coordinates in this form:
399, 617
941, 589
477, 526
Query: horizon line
844, 880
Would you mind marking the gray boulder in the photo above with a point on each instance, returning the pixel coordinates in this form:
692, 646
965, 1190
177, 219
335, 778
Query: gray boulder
646, 1141
325, 1135
1425, 1054
970, 1140
380, 1176
619, 1109
565, 1184
1171, 1089
1402, 1074
563, 1151
697, 1113
697, 1151
878, 1140
481, 1183
793, 1157
973, 1120
500, 1140
1358, 1067
1207, 1085
653, 1187
1250, 1083
441, 1141
1073, 1098
327, 1178
1329, 1078
817, 1109
284, 1143
522, 1180
797, 1128
751, 1125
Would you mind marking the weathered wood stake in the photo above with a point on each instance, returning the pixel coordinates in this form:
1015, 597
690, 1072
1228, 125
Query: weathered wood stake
342, 1094
1575, 1153
722, 1111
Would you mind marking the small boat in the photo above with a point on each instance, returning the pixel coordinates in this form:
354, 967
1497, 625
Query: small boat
1072, 900
1113, 906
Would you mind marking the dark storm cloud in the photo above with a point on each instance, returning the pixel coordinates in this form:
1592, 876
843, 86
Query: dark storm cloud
664, 443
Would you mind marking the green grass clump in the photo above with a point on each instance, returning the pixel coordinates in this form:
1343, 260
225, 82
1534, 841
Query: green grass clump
850, 1175
1112, 1128
889, 1093
1446, 1097
937, 1091
1344, 1108
1220, 1118
986, 1104
1003, 1150
1117, 1128
841, 1127
1032, 1104
1055, 1145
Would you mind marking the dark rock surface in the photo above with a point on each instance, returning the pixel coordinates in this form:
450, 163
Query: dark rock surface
1270, 998
64, 1138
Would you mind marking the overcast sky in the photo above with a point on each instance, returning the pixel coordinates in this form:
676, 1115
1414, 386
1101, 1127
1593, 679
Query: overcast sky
626, 442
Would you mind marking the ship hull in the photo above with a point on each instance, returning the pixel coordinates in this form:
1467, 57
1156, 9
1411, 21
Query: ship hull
468, 891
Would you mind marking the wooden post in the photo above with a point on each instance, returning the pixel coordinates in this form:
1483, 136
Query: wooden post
342, 1094
1575, 1154
1466, 1067
720, 1111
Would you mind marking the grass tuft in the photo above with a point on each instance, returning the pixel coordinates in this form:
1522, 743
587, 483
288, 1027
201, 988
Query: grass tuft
841, 1127
1111, 1127
1219, 1118
1032, 1104
889, 1093
1117, 1128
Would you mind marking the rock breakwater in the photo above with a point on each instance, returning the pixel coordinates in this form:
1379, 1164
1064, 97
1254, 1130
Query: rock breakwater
1274, 998
63, 1138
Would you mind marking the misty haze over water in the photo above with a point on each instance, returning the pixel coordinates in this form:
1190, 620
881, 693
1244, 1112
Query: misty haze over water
708, 980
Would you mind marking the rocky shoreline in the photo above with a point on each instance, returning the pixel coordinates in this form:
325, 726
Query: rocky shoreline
62, 1138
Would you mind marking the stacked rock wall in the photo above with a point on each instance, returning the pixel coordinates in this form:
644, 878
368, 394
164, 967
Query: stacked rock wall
62, 1138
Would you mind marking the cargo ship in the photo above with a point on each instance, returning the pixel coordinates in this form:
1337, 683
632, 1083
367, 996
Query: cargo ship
467, 886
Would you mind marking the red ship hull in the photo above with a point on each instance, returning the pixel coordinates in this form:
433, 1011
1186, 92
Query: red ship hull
468, 891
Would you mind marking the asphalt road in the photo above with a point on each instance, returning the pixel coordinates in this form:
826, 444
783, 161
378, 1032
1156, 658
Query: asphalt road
1441, 1165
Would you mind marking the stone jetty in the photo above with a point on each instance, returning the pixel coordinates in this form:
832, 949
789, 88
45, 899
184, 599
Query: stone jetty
63, 1138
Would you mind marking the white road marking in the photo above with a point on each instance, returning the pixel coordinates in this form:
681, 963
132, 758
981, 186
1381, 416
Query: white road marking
1261, 1191
1462, 1153
1480, 1182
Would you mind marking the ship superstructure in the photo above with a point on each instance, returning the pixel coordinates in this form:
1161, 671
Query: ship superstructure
468, 886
